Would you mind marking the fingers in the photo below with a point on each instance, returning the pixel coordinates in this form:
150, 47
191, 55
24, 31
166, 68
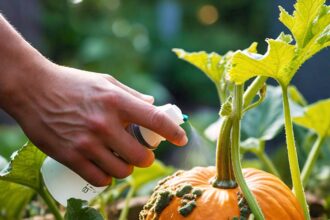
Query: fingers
87, 169
129, 149
107, 161
147, 115
146, 98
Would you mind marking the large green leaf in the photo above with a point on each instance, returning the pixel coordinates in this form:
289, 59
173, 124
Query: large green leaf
316, 117
275, 63
79, 209
212, 64
24, 167
13, 200
306, 11
208, 63
265, 121
141, 176
310, 25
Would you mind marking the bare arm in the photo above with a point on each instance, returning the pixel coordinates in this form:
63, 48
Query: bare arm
77, 117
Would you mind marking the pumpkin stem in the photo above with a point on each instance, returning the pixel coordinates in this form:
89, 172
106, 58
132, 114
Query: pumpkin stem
225, 178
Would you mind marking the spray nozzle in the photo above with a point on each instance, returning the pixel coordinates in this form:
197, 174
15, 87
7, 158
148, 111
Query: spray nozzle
185, 117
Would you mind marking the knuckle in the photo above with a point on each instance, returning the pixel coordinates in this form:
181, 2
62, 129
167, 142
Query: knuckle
109, 77
113, 98
157, 119
97, 124
83, 144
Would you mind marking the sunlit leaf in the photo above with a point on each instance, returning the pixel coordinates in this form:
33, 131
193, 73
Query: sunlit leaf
296, 96
79, 209
141, 176
13, 200
275, 63
316, 117
310, 26
24, 167
208, 63
212, 64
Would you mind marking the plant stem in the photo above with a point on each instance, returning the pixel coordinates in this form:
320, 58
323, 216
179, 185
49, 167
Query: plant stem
221, 94
253, 89
236, 115
124, 212
312, 156
225, 178
50, 203
292, 153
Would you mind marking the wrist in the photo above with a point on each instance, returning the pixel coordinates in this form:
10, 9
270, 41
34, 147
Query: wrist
19, 75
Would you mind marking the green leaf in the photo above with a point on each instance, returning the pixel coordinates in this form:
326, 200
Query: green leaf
141, 176
276, 63
316, 117
296, 96
310, 26
300, 23
24, 167
79, 209
263, 122
13, 200
266, 119
212, 64
208, 63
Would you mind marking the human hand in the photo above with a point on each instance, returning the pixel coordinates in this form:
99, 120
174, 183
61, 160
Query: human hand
79, 118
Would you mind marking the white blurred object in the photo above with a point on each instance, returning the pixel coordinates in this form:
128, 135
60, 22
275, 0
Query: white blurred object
213, 130
63, 184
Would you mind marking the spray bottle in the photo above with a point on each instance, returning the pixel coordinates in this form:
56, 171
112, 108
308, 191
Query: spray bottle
63, 183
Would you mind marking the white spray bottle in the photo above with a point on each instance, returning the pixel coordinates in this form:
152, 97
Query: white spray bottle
63, 183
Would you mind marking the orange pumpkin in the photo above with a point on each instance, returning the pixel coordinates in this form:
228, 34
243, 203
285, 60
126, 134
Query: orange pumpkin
205, 202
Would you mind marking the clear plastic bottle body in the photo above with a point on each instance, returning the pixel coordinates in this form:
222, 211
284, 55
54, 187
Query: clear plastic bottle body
63, 183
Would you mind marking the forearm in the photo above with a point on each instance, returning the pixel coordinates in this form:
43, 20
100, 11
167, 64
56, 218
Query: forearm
18, 59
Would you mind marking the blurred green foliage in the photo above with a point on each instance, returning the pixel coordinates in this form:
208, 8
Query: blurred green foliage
132, 40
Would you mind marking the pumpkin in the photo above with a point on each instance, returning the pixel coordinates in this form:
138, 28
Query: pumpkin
190, 195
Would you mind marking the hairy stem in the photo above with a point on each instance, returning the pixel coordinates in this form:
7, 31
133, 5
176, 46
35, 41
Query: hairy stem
292, 154
253, 89
225, 176
124, 212
221, 94
236, 115
312, 157
50, 203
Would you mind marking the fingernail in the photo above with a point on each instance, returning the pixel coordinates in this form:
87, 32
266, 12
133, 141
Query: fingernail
148, 98
184, 141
